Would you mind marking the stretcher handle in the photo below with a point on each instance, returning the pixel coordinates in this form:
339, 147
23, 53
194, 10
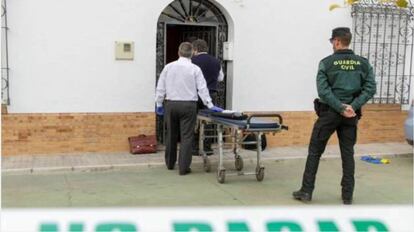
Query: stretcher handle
267, 116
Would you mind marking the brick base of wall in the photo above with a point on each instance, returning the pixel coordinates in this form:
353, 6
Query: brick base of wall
72, 133
108, 132
379, 123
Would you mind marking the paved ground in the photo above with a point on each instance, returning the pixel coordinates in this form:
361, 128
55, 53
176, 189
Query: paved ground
150, 184
98, 161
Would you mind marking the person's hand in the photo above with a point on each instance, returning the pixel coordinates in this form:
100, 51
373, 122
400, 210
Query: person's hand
216, 109
349, 111
159, 110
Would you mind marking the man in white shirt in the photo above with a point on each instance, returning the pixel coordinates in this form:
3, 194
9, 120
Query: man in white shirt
180, 84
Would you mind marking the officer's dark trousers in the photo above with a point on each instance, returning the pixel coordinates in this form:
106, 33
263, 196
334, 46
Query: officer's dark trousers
328, 122
180, 118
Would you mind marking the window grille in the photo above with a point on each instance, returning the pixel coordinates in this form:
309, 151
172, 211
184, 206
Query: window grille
383, 33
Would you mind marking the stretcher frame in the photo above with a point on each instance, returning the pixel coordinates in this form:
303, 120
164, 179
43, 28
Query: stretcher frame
237, 133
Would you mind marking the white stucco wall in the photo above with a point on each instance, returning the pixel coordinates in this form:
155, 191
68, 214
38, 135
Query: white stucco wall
61, 53
278, 45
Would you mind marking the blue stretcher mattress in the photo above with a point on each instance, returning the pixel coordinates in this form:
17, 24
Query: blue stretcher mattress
255, 123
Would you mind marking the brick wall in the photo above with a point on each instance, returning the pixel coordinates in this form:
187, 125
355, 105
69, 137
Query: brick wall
108, 132
379, 123
69, 133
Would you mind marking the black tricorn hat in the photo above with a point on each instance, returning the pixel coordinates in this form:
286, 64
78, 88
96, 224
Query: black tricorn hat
340, 31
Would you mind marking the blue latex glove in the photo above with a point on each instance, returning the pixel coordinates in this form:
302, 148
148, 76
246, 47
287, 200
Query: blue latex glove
216, 109
371, 159
159, 110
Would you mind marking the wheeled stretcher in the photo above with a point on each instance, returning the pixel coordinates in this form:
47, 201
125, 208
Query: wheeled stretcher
237, 131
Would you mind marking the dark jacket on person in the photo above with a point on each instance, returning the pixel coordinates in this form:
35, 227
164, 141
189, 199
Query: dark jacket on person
210, 66
344, 77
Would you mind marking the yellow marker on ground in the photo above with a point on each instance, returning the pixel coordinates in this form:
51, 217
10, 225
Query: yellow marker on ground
385, 161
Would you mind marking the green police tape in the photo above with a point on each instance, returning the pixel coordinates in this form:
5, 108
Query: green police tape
232, 226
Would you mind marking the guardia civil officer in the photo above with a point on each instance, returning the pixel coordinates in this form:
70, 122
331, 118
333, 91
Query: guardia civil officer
345, 82
179, 84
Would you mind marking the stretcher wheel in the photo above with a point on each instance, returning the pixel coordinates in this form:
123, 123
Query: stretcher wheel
259, 173
207, 164
238, 163
221, 176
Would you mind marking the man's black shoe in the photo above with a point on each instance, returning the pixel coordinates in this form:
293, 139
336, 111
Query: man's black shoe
302, 196
347, 201
209, 151
188, 171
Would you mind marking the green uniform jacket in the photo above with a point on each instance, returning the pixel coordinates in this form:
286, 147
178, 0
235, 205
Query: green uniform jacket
345, 78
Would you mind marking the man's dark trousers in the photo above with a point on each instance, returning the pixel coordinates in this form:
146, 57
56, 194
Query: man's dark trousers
208, 129
328, 122
180, 118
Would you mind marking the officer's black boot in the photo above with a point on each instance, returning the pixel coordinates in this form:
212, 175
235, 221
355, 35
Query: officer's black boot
302, 196
348, 180
308, 181
347, 196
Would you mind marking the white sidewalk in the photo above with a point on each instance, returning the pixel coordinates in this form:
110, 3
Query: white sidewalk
103, 161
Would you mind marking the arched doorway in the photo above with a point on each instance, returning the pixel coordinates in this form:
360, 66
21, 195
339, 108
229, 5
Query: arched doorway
187, 20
